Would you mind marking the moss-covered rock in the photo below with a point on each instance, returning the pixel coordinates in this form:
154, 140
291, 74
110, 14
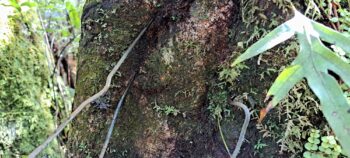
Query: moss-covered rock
25, 97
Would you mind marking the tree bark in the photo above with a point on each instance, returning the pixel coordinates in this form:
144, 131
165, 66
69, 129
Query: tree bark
166, 112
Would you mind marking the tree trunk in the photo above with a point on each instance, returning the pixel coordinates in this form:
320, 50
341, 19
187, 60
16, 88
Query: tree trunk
166, 113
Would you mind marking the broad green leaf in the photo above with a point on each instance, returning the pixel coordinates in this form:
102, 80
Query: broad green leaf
335, 63
278, 35
73, 14
334, 106
15, 4
314, 62
284, 82
331, 36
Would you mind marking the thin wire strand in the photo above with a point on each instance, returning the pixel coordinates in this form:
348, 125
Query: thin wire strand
37, 150
111, 127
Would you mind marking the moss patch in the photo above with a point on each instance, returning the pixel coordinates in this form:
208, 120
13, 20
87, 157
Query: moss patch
25, 99
108, 29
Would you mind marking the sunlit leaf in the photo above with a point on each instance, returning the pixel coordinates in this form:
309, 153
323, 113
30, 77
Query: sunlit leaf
73, 14
278, 35
15, 4
284, 82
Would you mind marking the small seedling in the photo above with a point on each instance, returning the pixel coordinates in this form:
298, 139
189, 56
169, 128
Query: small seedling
327, 148
167, 110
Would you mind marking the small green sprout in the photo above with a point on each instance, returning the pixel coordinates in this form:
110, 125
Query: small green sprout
327, 147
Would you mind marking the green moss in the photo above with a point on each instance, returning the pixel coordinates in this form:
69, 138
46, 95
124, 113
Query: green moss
169, 64
218, 106
25, 96
109, 31
25, 99
104, 45
93, 74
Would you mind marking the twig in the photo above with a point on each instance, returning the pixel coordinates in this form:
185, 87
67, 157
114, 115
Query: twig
335, 12
48, 54
50, 63
222, 136
111, 127
328, 16
89, 100
62, 53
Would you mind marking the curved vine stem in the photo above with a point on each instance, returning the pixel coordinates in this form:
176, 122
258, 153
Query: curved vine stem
244, 127
111, 127
37, 150
222, 137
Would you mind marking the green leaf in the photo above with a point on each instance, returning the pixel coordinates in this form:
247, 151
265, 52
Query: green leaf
277, 36
336, 64
314, 62
316, 135
307, 154
308, 146
311, 140
325, 145
337, 148
328, 151
15, 4
284, 82
324, 139
332, 140
334, 19
331, 36
314, 147
317, 141
73, 14
335, 106
321, 148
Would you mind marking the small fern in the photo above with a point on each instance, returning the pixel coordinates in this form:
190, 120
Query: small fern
314, 62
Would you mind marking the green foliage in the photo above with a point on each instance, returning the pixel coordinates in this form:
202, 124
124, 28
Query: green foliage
313, 141
313, 62
167, 110
62, 22
25, 99
254, 14
298, 113
18, 6
334, 11
74, 15
25, 94
218, 106
344, 19
259, 145
317, 149
230, 74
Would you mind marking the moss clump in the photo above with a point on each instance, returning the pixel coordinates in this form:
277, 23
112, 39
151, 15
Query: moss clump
25, 99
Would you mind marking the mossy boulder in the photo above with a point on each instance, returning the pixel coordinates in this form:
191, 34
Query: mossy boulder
25, 96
